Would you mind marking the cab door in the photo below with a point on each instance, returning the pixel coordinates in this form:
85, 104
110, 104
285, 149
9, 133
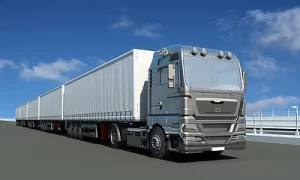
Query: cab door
164, 99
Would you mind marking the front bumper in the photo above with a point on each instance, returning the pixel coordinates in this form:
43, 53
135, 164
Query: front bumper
199, 136
188, 147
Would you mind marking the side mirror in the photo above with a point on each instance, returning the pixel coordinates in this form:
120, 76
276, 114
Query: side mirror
244, 78
171, 75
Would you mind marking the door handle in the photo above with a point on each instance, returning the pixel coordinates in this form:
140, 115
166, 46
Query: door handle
160, 105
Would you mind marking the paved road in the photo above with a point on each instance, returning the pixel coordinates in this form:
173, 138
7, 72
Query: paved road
32, 154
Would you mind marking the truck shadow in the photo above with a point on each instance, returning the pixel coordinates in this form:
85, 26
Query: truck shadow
180, 158
174, 157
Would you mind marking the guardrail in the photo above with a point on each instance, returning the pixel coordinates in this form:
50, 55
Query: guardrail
274, 121
5, 119
279, 122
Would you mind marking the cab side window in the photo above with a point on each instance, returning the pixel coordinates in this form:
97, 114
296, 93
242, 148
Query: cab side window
163, 70
163, 76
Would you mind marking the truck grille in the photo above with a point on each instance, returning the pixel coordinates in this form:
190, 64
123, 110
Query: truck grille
224, 108
209, 128
216, 140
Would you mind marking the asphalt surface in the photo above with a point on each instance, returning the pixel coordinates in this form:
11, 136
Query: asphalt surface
32, 154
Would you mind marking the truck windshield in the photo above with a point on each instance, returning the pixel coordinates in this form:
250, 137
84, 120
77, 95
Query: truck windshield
212, 74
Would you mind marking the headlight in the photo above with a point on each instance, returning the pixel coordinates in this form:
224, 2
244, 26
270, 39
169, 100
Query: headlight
240, 127
192, 128
242, 121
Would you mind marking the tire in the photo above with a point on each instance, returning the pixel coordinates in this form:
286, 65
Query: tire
158, 143
70, 133
113, 138
79, 132
75, 131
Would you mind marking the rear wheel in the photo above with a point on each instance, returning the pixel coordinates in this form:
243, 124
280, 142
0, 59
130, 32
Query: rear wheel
70, 131
79, 132
158, 143
75, 131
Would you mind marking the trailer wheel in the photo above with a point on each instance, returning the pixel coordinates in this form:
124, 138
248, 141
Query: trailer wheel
70, 131
158, 144
79, 136
75, 131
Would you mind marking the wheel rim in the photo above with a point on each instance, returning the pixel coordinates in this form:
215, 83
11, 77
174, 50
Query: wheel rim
113, 136
75, 132
79, 132
71, 131
156, 143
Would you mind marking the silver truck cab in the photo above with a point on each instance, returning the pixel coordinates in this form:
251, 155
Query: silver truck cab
195, 101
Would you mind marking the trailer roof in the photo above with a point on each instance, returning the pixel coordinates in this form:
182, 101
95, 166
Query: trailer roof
50, 91
105, 64
82, 75
33, 99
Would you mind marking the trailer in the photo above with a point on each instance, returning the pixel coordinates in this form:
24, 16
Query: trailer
184, 99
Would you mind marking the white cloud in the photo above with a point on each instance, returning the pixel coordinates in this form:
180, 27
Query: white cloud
148, 30
225, 24
51, 71
262, 66
124, 21
273, 103
97, 59
280, 28
229, 27
7, 63
260, 89
264, 89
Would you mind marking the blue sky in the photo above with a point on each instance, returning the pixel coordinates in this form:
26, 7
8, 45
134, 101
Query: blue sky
43, 44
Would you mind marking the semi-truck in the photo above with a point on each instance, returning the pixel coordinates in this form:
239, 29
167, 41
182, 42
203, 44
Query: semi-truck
180, 98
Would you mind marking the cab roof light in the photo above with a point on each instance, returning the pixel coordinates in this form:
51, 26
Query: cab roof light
229, 55
195, 51
221, 54
163, 52
203, 52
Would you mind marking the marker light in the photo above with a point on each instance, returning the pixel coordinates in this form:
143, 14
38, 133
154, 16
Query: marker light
221, 54
163, 52
195, 51
203, 52
229, 55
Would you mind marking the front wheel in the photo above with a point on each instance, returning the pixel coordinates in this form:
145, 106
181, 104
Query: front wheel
158, 143
113, 137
